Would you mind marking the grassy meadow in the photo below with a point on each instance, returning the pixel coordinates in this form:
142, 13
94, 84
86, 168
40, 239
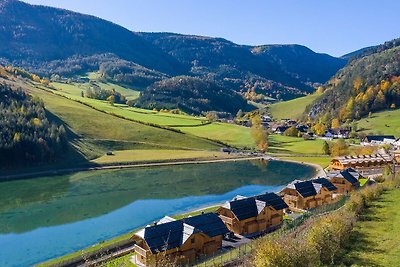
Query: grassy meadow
235, 135
375, 241
385, 122
280, 144
92, 124
292, 109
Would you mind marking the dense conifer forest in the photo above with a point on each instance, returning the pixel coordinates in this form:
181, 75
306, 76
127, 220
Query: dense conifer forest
26, 134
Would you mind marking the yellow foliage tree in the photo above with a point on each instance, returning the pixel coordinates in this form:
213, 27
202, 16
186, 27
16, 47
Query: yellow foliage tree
335, 124
319, 128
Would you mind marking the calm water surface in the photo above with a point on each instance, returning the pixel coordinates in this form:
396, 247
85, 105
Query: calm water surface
48, 217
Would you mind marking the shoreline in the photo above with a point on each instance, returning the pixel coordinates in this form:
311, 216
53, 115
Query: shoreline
125, 165
320, 172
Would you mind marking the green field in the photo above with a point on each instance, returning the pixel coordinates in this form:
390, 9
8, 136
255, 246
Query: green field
385, 122
77, 88
147, 116
234, 135
376, 238
280, 144
92, 124
292, 109
150, 155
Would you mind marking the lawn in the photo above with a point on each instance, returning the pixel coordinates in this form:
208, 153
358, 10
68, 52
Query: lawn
280, 144
159, 155
321, 161
376, 238
385, 122
292, 109
234, 135
123, 261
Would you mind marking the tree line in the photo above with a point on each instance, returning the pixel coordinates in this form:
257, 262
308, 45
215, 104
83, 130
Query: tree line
26, 134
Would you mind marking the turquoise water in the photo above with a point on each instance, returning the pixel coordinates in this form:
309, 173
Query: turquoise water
51, 216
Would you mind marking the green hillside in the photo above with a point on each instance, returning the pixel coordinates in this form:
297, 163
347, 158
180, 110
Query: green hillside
385, 122
292, 109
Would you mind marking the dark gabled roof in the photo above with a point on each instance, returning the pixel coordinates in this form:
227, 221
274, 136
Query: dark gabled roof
164, 236
325, 183
305, 188
380, 138
244, 208
273, 200
208, 223
172, 234
348, 176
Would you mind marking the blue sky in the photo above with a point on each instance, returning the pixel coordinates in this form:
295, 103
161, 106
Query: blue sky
329, 26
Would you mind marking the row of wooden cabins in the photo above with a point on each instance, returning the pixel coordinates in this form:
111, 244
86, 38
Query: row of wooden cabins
361, 161
184, 240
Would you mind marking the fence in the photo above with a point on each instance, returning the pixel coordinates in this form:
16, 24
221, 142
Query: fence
242, 254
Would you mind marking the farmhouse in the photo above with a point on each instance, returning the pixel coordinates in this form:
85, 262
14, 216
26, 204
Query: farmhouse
304, 195
179, 241
378, 140
360, 161
345, 181
254, 214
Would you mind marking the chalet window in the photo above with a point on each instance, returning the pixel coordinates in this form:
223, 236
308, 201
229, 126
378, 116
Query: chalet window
192, 240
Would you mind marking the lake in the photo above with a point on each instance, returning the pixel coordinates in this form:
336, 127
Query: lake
48, 217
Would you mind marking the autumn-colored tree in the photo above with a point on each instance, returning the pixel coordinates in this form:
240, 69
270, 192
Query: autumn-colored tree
357, 83
319, 128
259, 134
111, 99
380, 101
335, 124
340, 148
320, 90
292, 131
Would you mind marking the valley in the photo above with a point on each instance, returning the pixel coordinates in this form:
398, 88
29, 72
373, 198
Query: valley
118, 146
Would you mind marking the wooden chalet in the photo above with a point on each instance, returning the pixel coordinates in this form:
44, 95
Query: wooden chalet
360, 161
180, 241
345, 180
252, 215
304, 195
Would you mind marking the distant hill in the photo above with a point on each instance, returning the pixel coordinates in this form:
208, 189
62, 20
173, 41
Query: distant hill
49, 41
192, 95
368, 83
287, 67
36, 35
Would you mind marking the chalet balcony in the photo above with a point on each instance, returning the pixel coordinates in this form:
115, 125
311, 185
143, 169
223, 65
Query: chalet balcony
226, 220
139, 250
291, 198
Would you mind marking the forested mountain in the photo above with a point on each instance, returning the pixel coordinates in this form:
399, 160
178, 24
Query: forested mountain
36, 35
192, 95
367, 84
26, 134
284, 71
49, 41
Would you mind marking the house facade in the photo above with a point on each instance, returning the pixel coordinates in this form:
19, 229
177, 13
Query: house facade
360, 161
305, 195
247, 216
345, 181
179, 241
378, 140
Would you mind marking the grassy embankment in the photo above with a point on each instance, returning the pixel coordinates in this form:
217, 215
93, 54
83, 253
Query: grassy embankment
292, 109
375, 239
